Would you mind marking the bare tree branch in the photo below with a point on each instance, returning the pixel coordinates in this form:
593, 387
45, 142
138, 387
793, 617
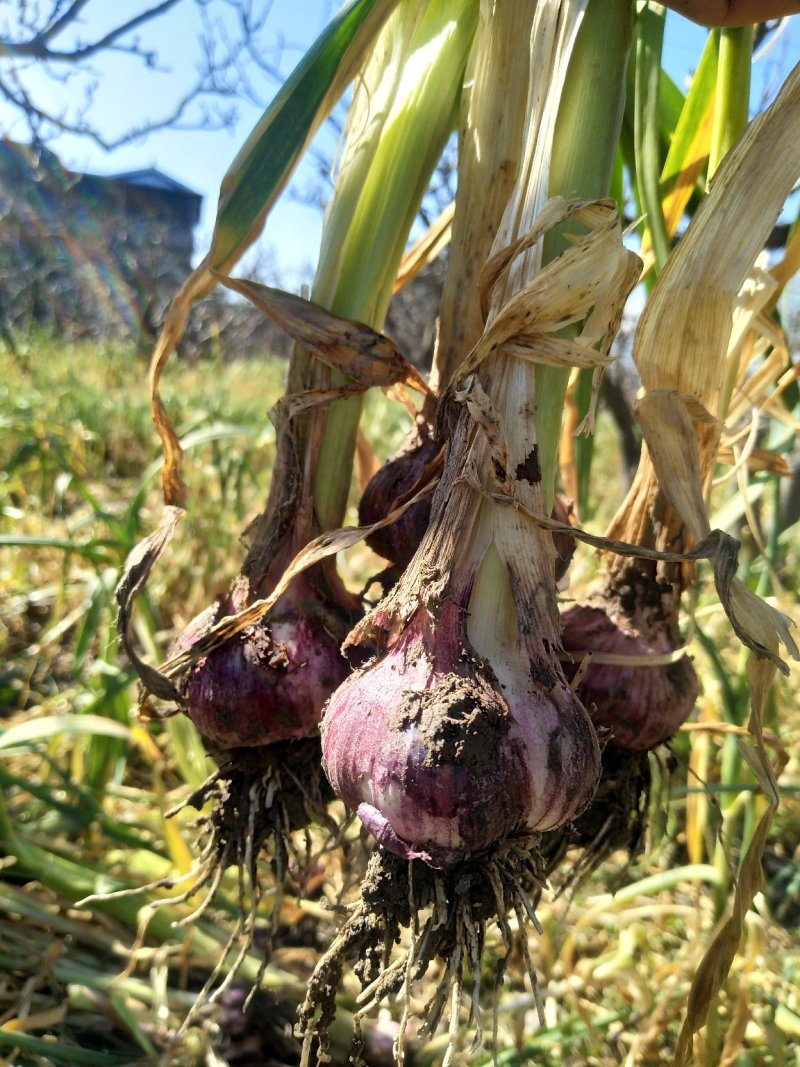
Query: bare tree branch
37, 47
44, 38
57, 22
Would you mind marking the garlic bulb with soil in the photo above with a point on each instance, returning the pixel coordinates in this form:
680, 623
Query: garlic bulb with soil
642, 705
256, 700
638, 692
255, 695
442, 754
467, 701
459, 746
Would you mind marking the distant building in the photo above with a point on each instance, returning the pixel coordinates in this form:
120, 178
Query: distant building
89, 253
142, 199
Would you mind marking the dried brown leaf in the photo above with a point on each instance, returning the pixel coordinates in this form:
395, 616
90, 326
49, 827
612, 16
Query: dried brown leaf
353, 348
786, 268
672, 445
734, 1039
758, 459
685, 330
589, 276
426, 250
199, 284
293, 404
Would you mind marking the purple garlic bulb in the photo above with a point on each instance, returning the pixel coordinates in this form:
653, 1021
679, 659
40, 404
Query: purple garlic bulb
441, 755
396, 478
642, 706
269, 682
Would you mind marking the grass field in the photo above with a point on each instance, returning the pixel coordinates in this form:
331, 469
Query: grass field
86, 784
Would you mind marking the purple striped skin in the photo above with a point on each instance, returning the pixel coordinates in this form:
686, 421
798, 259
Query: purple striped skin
441, 756
642, 706
270, 682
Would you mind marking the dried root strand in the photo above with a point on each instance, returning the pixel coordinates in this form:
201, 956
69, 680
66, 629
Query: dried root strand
318, 1010
260, 800
446, 914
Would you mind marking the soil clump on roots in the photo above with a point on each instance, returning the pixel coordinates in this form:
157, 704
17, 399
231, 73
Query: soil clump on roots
273, 788
446, 913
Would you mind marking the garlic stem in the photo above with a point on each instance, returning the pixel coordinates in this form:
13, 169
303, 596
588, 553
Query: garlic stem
569, 151
584, 144
732, 101
490, 149
363, 264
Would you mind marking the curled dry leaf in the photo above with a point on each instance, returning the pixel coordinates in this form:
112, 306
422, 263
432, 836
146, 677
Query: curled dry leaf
587, 277
136, 572
293, 404
353, 348
587, 284
198, 285
756, 459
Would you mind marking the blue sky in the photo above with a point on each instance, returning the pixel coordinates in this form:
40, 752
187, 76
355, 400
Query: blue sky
127, 92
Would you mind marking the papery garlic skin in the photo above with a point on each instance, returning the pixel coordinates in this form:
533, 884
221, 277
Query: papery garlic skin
642, 706
441, 755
